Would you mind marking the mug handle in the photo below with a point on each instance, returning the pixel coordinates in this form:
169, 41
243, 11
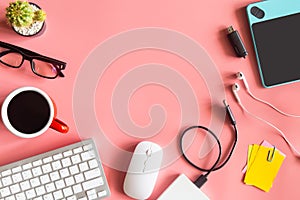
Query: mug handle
59, 126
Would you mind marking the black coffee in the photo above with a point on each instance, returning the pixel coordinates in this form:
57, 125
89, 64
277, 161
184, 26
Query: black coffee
28, 112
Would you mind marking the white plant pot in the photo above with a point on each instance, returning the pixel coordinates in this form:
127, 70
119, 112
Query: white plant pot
34, 29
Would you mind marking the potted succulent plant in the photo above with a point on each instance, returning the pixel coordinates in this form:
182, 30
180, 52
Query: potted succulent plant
26, 18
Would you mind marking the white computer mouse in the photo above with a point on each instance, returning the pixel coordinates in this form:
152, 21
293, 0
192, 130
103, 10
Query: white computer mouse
143, 170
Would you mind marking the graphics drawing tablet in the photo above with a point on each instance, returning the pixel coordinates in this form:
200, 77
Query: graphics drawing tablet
275, 31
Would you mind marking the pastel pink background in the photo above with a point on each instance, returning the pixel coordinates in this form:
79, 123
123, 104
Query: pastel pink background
75, 28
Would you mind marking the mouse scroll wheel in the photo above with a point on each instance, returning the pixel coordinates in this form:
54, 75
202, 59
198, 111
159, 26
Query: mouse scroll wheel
149, 152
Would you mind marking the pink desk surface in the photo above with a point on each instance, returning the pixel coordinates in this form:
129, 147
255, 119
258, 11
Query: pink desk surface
75, 28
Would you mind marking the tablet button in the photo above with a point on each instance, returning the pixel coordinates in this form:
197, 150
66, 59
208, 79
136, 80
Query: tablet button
257, 12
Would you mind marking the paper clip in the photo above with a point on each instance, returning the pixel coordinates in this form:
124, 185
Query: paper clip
271, 154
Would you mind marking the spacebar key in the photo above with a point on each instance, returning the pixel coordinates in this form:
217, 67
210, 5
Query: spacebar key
93, 183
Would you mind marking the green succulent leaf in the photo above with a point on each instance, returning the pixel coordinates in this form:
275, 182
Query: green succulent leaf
39, 15
21, 13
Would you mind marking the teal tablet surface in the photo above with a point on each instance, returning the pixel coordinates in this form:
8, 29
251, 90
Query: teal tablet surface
275, 30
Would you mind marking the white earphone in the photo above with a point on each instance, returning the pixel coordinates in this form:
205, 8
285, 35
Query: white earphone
235, 88
242, 77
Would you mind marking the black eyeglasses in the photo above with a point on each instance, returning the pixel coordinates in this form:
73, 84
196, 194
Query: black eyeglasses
14, 56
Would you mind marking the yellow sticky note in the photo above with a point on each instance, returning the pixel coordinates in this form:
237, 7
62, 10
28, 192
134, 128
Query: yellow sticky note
252, 151
250, 147
261, 172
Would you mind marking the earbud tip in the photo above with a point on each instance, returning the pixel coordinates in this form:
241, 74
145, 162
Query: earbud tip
240, 75
235, 87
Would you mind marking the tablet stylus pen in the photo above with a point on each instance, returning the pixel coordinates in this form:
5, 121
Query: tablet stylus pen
236, 42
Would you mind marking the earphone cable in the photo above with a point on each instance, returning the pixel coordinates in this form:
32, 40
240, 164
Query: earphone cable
270, 105
241, 76
291, 146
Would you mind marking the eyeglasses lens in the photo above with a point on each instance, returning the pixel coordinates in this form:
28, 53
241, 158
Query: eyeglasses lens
10, 58
44, 68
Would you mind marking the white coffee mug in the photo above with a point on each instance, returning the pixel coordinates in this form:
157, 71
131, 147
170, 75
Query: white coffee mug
28, 112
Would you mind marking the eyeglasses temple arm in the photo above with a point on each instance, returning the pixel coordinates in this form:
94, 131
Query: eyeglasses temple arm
61, 74
32, 53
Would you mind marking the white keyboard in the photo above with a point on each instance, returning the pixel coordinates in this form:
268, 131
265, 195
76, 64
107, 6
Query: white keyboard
72, 172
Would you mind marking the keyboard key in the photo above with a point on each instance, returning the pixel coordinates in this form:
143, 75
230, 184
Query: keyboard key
92, 183
17, 178
30, 194
102, 193
64, 172
6, 173
58, 194
70, 181
93, 163
92, 174
48, 197
68, 153
50, 187
10, 198
87, 155
77, 188
15, 188
37, 163
67, 191
54, 176
40, 190
58, 156
37, 171
66, 162
79, 178
25, 185
87, 147
35, 182
76, 159
27, 174
45, 179
92, 194
72, 198
5, 192
48, 159
47, 168
56, 165
27, 166
77, 150
60, 184
21, 196
16, 169
83, 166
6, 181
74, 169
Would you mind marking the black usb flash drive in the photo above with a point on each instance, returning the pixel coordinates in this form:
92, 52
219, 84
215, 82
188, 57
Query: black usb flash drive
236, 42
